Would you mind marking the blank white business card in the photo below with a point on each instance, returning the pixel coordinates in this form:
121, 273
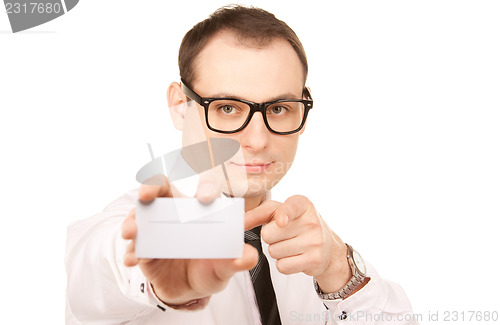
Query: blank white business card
186, 228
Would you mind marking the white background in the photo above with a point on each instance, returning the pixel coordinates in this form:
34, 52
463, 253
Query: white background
400, 155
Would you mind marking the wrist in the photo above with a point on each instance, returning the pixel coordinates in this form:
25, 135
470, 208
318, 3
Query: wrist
335, 277
183, 304
338, 272
357, 281
194, 304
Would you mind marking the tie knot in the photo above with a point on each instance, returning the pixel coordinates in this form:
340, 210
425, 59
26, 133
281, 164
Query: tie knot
252, 234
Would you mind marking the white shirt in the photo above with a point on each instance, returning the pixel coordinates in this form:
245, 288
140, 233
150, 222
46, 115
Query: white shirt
102, 290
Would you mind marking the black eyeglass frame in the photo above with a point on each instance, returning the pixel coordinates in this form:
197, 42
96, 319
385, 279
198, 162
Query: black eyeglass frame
254, 107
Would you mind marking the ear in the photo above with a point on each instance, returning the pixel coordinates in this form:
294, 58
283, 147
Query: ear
177, 103
305, 97
307, 93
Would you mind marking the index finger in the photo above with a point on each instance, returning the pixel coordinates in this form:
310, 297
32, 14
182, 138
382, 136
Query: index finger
150, 192
291, 209
262, 214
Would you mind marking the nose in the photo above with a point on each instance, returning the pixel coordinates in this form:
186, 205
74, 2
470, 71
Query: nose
255, 136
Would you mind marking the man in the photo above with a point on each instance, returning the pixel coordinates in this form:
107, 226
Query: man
229, 63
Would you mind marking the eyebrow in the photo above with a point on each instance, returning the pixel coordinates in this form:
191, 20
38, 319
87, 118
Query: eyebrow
275, 98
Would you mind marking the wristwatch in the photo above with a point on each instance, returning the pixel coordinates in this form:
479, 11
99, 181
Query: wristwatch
358, 269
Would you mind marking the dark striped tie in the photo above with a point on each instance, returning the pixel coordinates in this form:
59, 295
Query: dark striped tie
261, 279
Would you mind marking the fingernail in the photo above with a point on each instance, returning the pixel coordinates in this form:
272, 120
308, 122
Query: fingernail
285, 220
206, 193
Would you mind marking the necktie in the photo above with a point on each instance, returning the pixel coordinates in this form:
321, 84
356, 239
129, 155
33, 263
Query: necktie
261, 279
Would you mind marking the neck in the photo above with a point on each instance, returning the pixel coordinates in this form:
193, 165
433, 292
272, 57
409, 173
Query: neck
253, 202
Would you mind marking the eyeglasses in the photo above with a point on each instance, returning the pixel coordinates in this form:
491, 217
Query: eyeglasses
231, 115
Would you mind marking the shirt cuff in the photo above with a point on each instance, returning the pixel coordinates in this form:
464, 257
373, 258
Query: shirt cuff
154, 300
194, 304
377, 300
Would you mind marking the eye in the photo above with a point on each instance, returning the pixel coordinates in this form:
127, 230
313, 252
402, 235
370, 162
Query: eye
227, 109
277, 110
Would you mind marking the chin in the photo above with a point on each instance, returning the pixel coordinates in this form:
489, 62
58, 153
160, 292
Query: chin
249, 187
260, 187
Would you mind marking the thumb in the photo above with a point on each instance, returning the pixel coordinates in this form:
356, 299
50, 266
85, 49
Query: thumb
209, 186
262, 214
246, 262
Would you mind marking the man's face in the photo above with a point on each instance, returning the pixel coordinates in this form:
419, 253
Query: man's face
226, 68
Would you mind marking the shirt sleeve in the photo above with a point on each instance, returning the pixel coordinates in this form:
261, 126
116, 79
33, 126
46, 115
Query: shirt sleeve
100, 288
378, 302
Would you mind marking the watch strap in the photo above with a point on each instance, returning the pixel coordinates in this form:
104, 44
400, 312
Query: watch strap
357, 279
343, 293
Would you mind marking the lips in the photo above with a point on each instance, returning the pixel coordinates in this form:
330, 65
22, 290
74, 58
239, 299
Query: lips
253, 167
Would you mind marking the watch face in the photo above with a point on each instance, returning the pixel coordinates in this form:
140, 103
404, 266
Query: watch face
359, 262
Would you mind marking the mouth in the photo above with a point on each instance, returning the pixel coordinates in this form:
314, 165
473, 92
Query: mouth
254, 167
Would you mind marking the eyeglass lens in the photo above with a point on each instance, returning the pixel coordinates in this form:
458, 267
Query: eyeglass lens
229, 115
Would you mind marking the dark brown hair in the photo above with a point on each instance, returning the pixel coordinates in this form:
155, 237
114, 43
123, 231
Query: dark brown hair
252, 26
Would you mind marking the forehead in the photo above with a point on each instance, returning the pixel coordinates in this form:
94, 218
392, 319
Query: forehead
257, 73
